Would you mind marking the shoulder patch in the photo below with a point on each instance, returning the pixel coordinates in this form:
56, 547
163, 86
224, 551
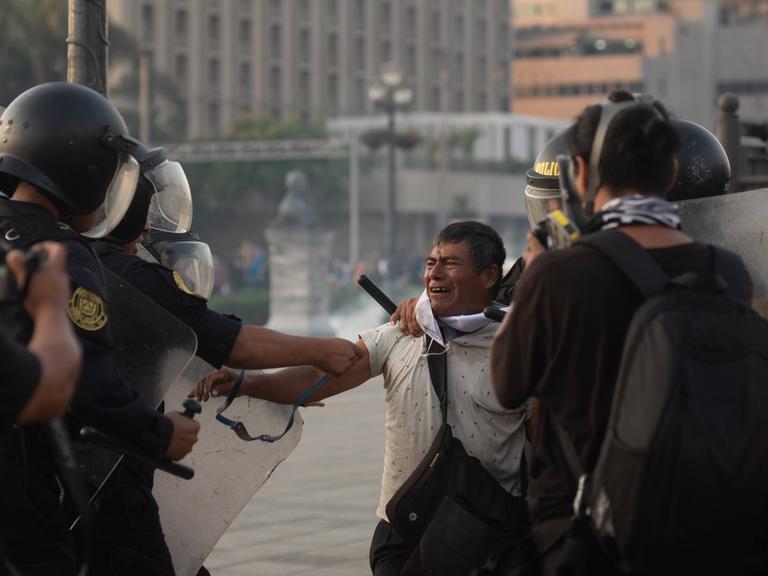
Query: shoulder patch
180, 283
87, 310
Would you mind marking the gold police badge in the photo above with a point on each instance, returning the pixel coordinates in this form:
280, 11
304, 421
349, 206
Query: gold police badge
87, 310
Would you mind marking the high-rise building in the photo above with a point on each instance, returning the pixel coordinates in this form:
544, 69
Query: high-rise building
569, 53
315, 58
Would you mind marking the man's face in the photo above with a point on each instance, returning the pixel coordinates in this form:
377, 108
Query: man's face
453, 285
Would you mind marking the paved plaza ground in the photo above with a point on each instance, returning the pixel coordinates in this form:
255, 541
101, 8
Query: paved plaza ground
317, 512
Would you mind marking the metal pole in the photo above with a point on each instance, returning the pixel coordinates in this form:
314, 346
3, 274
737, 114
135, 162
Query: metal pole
391, 199
729, 134
87, 44
354, 201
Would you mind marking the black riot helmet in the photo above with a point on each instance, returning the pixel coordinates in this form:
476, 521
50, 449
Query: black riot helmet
542, 190
73, 145
703, 167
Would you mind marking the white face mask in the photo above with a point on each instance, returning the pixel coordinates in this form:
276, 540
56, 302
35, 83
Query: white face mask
429, 324
427, 320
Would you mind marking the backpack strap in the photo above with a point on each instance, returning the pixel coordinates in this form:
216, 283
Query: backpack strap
631, 258
438, 371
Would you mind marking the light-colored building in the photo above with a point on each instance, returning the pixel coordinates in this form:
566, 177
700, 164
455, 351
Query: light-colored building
312, 59
684, 52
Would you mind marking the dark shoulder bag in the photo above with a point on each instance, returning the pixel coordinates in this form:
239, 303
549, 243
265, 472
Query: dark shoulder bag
451, 510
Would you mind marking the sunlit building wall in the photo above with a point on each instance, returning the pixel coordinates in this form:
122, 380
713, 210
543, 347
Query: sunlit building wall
311, 59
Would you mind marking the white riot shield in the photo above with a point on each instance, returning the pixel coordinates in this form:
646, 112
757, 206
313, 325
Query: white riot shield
738, 222
228, 471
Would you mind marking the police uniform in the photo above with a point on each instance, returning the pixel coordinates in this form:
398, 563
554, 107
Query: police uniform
216, 333
20, 372
102, 400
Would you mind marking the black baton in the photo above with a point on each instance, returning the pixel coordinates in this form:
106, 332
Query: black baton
98, 438
376, 293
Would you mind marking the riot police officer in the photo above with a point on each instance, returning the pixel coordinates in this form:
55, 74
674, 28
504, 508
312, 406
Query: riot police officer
70, 169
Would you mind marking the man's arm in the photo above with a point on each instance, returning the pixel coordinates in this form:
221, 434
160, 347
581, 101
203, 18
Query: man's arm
53, 340
285, 386
258, 347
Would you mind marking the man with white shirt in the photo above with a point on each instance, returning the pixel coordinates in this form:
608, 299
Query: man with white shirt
462, 271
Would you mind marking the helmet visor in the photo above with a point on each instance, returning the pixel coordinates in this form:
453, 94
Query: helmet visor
170, 210
193, 261
541, 201
118, 198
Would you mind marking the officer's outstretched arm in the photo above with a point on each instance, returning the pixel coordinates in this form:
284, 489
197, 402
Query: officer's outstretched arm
258, 347
286, 385
53, 340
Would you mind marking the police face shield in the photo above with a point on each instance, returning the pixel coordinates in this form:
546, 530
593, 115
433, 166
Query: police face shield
192, 260
170, 209
539, 202
118, 197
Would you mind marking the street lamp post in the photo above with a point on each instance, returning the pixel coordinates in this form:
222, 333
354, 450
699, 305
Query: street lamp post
389, 94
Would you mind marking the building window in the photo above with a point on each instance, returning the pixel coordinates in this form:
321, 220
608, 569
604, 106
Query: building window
245, 6
275, 41
148, 23
304, 47
360, 95
303, 10
304, 88
458, 29
410, 60
482, 101
214, 118
458, 68
276, 9
214, 31
386, 51
435, 98
245, 81
332, 95
332, 12
480, 36
359, 14
180, 68
214, 74
410, 23
386, 18
360, 54
245, 35
332, 51
181, 26
275, 84
436, 27
458, 101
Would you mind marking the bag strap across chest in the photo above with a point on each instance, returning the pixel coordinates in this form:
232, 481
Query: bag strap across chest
438, 373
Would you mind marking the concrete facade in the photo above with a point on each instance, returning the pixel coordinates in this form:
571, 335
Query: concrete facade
311, 59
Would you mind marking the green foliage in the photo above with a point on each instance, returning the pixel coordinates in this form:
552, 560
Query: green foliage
32, 45
250, 305
225, 189
265, 128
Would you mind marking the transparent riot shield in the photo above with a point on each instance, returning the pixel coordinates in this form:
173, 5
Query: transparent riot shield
228, 471
738, 222
152, 349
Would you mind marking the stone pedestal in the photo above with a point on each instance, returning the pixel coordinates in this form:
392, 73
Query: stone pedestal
299, 260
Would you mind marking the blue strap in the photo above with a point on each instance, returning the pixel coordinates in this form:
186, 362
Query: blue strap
240, 429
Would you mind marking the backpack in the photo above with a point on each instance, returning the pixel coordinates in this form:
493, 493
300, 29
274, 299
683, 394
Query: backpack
681, 480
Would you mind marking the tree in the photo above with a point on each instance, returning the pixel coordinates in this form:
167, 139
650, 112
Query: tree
32, 45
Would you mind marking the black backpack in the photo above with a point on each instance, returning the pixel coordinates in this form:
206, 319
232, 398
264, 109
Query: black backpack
681, 481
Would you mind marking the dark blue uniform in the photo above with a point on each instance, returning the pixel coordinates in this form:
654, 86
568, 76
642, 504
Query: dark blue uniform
102, 399
216, 333
20, 372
